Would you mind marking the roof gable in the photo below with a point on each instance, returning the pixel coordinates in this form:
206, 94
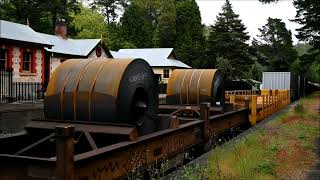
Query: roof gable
21, 32
156, 57
76, 47
161, 53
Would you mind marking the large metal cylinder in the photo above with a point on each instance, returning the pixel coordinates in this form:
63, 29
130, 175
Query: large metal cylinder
103, 90
194, 86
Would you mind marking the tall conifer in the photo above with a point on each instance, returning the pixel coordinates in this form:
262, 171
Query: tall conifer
190, 41
227, 40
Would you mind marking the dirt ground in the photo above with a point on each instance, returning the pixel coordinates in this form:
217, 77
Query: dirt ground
295, 161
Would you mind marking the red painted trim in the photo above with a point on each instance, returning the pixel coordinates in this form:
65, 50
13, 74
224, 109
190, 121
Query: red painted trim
21, 59
42, 65
10, 58
34, 61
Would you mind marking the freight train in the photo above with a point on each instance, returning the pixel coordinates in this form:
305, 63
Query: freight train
103, 121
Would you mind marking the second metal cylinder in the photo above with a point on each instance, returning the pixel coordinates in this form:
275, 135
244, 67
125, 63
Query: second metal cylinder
194, 86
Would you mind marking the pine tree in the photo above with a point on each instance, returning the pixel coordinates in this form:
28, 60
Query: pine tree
137, 27
41, 14
275, 46
227, 39
190, 41
308, 15
109, 8
167, 24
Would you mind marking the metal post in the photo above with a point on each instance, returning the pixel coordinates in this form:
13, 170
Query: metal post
263, 107
253, 114
174, 122
233, 101
204, 111
247, 102
204, 115
65, 149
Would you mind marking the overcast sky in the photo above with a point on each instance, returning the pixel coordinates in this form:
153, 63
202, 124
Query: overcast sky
253, 13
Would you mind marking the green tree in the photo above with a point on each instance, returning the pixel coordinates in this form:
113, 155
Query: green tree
226, 67
190, 41
227, 40
275, 46
26, 12
167, 24
83, 23
109, 8
308, 63
308, 15
114, 39
137, 27
40, 14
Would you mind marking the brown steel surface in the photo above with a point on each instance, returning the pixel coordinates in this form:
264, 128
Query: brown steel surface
85, 88
119, 160
93, 128
175, 107
219, 123
80, 89
106, 88
190, 86
68, 109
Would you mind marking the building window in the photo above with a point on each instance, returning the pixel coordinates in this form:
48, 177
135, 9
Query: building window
166, 73
98, 51
26, 63
3, 57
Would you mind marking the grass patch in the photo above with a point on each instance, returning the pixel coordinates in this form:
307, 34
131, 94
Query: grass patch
283, 147
243, 159
194, 172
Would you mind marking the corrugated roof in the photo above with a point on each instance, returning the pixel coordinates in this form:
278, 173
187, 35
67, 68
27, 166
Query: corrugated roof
156, 57
20, 32
77, 47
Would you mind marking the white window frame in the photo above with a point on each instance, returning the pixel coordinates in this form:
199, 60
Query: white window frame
164, 73
23, 61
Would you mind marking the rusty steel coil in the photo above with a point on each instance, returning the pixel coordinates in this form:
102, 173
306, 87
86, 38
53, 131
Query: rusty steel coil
194, 86
103, 90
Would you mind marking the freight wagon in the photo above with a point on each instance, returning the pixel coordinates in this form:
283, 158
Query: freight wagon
103, 121
297, 84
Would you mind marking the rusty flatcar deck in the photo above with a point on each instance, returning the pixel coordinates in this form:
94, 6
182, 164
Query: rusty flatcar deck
74, 150
18, 107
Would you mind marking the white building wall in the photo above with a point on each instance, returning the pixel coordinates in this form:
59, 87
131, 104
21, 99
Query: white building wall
22, 76
15, 64
94, 55
56, 61
159, 70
